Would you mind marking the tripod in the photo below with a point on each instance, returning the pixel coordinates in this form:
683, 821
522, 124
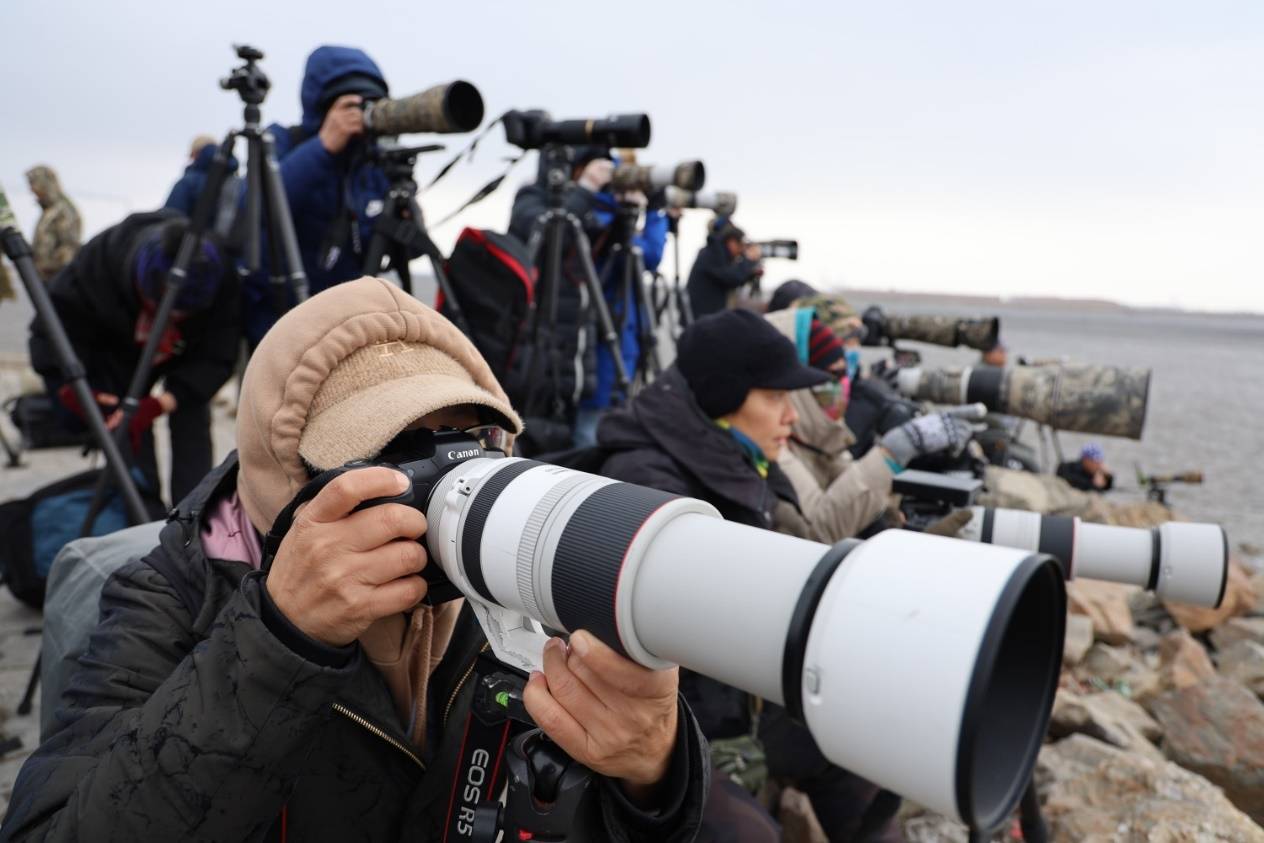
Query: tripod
19, 251
684, 307
263, 189
400, 232
627, 258
549, 235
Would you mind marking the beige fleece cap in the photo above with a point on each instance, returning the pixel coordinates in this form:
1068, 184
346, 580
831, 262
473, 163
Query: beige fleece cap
341, 375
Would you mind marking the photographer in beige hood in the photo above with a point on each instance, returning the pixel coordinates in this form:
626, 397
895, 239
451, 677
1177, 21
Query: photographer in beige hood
324, 700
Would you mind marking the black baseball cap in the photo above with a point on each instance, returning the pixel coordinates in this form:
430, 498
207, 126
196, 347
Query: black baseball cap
725, 355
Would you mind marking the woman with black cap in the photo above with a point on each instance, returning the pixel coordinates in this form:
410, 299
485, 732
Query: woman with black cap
713, 427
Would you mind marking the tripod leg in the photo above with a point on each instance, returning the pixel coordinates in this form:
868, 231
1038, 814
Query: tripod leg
648, 322
14, 458
609, 337
19, 252
399, 259
450, 299
377, 251
280, 223
1030, 819
24, 707
252, 251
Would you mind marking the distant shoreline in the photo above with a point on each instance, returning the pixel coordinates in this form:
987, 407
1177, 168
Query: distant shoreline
1033, 302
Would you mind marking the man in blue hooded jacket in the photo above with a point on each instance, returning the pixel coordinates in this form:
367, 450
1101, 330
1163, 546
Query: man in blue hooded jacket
622, 301
335, 191
589, 389
186, 192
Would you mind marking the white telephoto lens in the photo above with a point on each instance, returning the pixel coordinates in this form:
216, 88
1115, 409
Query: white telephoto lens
925, 664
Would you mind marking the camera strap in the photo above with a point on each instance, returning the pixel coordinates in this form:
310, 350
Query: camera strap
468, 153
496, 714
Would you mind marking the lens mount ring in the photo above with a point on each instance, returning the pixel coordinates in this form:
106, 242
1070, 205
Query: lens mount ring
801, 625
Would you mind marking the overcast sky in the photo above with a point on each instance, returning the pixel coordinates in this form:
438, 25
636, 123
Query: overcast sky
1098, 149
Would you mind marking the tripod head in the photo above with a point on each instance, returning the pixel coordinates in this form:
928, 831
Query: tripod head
557, 164
397, 162
250, 83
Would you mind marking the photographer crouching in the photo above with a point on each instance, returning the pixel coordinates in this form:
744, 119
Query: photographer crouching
324, 700
106, 299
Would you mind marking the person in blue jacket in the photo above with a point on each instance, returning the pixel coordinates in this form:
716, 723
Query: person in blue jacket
335, 191
185, 192
620, 298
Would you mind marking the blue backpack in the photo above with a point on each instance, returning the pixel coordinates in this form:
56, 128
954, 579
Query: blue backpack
36, 527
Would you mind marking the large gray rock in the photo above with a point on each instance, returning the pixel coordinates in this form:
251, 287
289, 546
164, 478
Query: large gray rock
1094, 792
1216, 729
1257, 583
1122, 669
1244, 663
1106, 605
1079, 637
1183, 661
1238, 629
1107, 716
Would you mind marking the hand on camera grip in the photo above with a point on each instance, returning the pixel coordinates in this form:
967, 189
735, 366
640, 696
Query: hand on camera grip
606, 711
342, 566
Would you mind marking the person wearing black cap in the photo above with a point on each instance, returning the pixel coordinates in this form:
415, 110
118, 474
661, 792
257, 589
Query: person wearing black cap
335, 193
724, 265
714, 426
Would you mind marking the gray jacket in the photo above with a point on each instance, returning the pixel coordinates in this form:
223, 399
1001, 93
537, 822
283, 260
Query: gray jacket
73, 595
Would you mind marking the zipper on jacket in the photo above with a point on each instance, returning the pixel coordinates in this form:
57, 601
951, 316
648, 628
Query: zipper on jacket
357, 719
461, 683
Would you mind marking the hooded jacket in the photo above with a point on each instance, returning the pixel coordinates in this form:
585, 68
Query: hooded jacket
200, 713
622, 300
96, 299
663, 440
715, 275
334, 199
838, 495
185, 192
59, 229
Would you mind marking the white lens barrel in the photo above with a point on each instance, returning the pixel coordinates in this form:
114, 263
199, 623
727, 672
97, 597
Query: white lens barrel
925, 664
928, 669
1193, 563
1188, 563
718, 597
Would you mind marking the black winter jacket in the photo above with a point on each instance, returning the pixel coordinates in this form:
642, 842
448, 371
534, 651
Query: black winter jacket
714, 275
195, 717
96, 299
663, 440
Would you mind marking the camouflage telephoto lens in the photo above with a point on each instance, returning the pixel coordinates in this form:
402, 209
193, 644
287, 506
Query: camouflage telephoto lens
980, 333
444, 109
651, 178
722, 202
1104, 400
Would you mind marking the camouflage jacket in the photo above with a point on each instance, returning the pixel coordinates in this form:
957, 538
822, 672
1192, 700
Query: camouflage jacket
6, 284
59, 230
